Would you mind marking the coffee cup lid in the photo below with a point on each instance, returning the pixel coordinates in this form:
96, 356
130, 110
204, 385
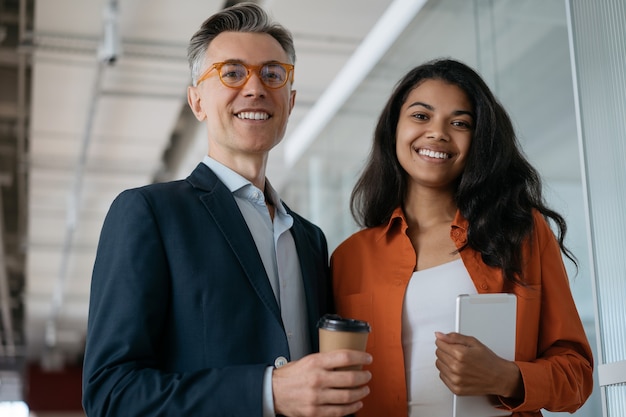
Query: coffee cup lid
335, 322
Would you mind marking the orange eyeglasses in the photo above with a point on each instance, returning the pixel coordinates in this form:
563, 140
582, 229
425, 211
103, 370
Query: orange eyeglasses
236, 74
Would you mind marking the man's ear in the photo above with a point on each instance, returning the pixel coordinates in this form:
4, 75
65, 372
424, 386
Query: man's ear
194, 100
292, 100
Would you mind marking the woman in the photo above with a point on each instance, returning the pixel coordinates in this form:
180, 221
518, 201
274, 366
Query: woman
449, 205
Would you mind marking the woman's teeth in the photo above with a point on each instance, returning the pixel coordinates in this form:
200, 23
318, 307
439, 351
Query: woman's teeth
433, 154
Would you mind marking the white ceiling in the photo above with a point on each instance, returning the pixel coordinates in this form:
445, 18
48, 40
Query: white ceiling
96, 129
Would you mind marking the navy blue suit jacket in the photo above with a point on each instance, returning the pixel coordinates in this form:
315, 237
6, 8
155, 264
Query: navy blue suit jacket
182, 317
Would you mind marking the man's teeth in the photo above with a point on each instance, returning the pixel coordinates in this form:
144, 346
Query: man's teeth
433, 154
253, 115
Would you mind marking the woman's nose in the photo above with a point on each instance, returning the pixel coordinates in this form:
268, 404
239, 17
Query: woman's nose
436, 131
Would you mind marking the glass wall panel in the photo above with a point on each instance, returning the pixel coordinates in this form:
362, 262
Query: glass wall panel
598, 34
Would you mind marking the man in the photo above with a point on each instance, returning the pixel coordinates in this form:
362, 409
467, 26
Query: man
206, 292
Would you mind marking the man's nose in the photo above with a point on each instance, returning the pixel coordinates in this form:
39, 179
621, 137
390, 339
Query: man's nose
254, 85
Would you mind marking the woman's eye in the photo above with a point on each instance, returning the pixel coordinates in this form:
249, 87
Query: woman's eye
463, 124
420, 116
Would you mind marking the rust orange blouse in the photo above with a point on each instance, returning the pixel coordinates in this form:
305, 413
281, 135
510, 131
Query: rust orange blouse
371, 270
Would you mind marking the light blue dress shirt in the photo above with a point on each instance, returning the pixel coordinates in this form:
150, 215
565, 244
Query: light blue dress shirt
280, 259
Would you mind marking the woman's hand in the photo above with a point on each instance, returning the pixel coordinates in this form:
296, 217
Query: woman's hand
468, 367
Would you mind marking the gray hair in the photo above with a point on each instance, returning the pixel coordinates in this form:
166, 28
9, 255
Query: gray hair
242, 17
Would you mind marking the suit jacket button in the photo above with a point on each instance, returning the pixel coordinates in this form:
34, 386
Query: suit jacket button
280, 361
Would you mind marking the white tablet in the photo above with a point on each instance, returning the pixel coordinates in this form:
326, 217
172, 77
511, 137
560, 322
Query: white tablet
490, 318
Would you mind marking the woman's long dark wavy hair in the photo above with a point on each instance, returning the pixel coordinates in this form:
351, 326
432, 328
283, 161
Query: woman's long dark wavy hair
497, 190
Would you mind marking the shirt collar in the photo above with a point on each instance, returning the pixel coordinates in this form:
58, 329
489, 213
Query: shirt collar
232, 180
398, 218
460, 221
237, 184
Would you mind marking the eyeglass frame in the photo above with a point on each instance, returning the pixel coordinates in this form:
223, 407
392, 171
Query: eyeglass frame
217, 66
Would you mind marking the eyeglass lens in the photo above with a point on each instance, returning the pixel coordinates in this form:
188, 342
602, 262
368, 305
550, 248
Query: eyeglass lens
235, 74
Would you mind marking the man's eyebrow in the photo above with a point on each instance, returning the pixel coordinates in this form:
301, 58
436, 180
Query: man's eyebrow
241, 61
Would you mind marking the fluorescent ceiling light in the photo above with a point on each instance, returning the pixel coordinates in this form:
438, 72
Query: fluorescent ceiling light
395, 19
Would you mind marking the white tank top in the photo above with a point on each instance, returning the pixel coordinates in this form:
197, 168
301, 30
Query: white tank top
429, 306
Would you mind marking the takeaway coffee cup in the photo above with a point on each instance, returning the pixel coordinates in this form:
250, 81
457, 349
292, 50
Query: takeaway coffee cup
337, 332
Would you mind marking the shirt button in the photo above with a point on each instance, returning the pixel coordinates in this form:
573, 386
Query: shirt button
484, 286
280, 362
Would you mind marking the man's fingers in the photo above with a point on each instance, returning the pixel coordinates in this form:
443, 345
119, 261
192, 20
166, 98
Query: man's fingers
343, 358
312, 386
343, 396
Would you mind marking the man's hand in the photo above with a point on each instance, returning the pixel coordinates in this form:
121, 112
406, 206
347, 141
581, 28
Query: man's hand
468, 367
312, 387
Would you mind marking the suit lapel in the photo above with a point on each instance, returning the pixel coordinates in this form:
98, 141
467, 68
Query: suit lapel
221, 205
